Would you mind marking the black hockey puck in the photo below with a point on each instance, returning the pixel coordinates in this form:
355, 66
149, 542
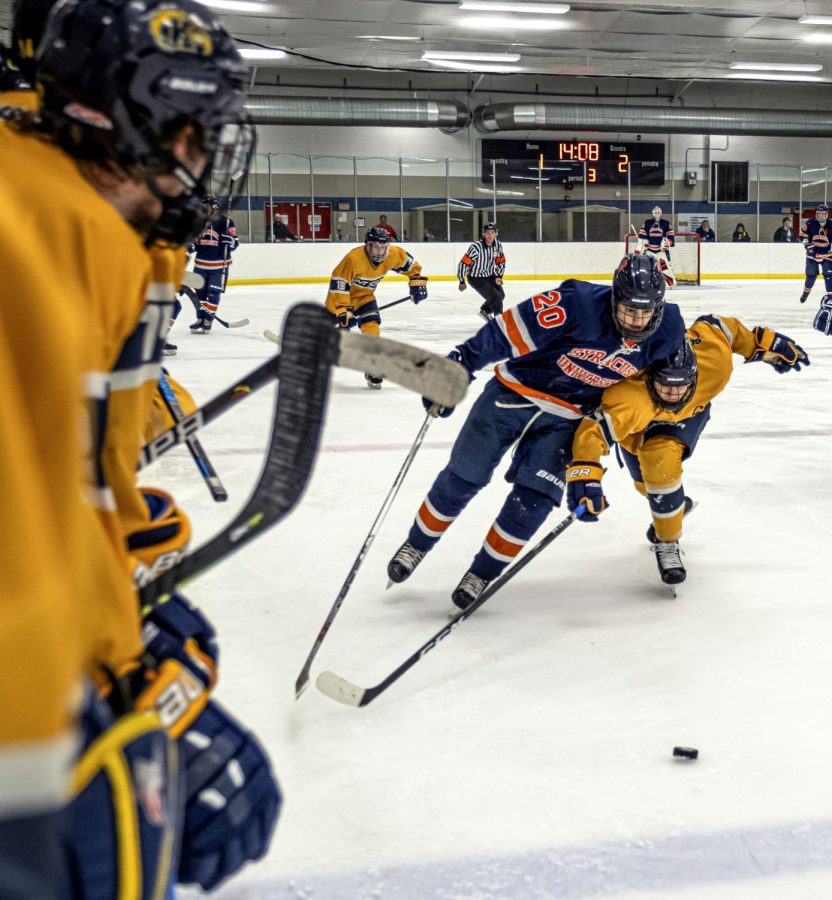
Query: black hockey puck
686, 752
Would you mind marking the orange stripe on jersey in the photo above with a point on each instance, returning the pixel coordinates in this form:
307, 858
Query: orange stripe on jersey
430, 522
531, 392
467, 260
513, 333
500, 259
501, 547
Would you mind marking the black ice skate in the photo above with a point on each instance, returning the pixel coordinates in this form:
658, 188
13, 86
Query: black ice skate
373, 383
485, 314
690, 506
169, 349
401, 566
669, 560
467, 591
201, 326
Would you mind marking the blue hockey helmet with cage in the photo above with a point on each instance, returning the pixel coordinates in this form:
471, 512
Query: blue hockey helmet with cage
119, 78
638, 284
680, 369
380, 238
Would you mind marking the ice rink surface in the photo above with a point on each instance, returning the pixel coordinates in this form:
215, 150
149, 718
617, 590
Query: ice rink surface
529, 756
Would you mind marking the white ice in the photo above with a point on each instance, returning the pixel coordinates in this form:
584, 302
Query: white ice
529, 755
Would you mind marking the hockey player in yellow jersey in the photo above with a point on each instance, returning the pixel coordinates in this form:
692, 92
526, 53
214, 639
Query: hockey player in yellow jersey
352, 298
657, 418
93, 179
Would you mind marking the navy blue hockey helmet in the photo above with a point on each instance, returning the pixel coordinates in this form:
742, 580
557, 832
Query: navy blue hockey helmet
822, 213
679, 370
638, 284
119, 78
376, 245
210, 200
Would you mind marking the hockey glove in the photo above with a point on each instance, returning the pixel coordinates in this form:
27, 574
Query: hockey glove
434, 409
344, 317
418, 288
228, 240
777, 350
179, 664
232, 799
583, 485
823, 319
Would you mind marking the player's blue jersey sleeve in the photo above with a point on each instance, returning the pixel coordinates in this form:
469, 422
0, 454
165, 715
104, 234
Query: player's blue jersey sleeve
532, 325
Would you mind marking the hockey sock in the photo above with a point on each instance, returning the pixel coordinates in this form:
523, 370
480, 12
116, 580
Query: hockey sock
522, 514
446, 499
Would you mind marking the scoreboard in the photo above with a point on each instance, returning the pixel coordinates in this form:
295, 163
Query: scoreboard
562, 162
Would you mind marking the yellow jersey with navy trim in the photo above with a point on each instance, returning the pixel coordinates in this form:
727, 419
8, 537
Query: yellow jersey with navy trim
627, 408
355, 278
87, 266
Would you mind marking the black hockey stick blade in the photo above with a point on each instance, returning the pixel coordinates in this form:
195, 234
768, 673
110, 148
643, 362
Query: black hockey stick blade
200, 457
338, 688
309, 349
436, 377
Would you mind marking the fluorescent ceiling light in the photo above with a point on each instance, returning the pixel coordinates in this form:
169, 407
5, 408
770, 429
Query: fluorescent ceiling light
237, 6
763, 76
439, 55
473, 66
262, 53
815, 20
818, 38
777, 67
495, 23
501, 193
386, 37
544, 9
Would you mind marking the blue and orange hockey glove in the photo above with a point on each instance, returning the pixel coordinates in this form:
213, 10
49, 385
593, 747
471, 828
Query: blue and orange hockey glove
583, 485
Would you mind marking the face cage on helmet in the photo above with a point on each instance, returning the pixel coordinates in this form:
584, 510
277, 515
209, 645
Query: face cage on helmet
676, 405
652, 326
183, 217
381, 253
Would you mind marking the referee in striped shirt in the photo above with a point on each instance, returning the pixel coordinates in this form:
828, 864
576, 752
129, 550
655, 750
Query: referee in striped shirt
483, 265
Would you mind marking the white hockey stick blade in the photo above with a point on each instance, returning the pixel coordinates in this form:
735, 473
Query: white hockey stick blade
339, 689
439, 379
193, 280
240, 323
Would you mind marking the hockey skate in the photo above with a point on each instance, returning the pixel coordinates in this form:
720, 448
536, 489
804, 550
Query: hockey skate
201, 326
467, 591
401, 566
373, 383
690, 506
169, 349
484, 314
669, 561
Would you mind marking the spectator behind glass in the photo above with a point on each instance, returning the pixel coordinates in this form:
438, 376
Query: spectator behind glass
385, 226
705, 232
785, 233
741, 235
280, 230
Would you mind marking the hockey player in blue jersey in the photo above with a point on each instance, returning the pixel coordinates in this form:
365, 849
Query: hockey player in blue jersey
815, 235
556, 353
656, 238
213, 257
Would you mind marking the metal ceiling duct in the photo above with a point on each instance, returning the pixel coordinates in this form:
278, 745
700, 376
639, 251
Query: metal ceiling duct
445, 114
651, 119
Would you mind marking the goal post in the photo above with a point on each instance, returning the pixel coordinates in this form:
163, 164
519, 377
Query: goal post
684, 256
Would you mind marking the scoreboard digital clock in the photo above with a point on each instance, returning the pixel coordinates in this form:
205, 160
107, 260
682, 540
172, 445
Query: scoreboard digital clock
564, 162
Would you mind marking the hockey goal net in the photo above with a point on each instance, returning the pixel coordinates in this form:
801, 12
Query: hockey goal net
684, 256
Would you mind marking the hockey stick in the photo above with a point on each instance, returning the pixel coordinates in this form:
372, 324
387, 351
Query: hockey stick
200, 308
435, 377
394, 303
338, 688
302, 681
215, 486
310, 348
